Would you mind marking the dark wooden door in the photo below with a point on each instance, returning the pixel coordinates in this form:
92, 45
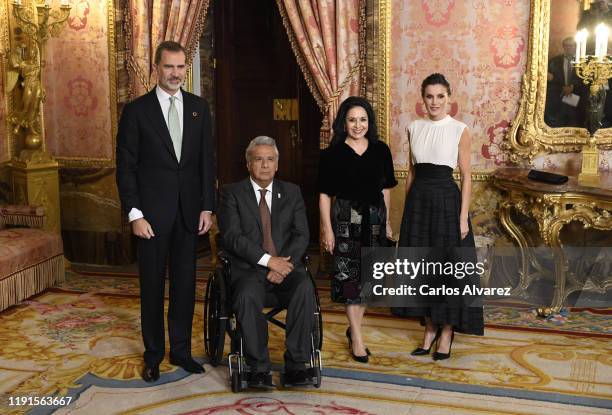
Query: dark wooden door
255, 65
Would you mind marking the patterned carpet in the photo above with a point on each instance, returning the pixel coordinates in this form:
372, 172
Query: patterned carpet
576, 320
82, 340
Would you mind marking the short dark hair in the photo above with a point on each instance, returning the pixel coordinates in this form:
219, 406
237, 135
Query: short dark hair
170, 46
435, 79
340, 120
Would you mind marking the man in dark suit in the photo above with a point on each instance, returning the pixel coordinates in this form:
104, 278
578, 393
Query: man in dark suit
264, 228
562, 82
166, 185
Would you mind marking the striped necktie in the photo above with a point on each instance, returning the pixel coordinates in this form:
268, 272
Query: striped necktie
174, 126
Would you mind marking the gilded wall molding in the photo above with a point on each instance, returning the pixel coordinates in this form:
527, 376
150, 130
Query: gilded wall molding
5, 44
528, 135
479, 176
384, 60
189, 78
112, 82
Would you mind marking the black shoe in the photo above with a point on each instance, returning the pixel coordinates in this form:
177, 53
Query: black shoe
188, 364
441, 356
261, 380
297, 378
419, 351
150, 373
360, 359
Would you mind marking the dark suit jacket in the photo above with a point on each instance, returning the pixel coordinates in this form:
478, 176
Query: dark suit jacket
555, 87
555, 109
241, 229
149, 176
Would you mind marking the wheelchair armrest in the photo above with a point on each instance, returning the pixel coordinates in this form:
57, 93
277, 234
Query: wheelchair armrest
223, 258
305, 261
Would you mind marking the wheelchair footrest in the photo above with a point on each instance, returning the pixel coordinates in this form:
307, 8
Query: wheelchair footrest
313, 379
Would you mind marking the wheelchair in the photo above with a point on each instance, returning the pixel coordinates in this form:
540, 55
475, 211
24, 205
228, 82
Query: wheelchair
220, 319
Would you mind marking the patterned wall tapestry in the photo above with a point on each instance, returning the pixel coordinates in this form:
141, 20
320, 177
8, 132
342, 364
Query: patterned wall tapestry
480, 45
78, 114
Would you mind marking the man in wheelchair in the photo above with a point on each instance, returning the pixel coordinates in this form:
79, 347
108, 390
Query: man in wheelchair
264, 230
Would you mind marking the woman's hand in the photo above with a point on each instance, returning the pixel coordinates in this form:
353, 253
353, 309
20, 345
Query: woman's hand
465, 228
328, 240
389, 230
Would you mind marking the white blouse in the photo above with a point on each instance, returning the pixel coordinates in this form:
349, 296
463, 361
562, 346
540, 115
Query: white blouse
435, 142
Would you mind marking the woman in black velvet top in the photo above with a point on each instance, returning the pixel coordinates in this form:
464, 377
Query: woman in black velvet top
355, 175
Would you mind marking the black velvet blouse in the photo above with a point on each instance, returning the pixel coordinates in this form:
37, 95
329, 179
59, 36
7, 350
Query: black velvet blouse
347, 175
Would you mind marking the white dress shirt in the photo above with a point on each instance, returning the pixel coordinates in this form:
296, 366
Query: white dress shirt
263, 261
164, 101
567, 70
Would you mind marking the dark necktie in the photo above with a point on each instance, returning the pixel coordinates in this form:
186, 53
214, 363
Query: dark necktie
266, 224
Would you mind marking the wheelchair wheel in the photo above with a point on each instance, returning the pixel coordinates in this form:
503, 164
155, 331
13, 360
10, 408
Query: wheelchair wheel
317, 328
215, 317
317, 376
236, 382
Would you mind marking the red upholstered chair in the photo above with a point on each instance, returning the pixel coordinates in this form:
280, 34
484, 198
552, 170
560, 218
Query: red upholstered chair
31, 259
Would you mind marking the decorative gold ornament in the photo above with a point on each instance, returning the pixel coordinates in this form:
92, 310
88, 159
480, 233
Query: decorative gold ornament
25, 67
24, 70
589, 175
34, 172
35, 182
552, 208
595, 72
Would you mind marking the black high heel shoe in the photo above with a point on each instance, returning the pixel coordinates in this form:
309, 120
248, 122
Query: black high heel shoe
360, 359
419, 351
441, 356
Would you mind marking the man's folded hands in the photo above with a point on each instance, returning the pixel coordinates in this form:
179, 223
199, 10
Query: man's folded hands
280, 265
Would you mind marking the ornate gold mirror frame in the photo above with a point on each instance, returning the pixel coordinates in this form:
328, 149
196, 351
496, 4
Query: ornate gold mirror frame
528, 135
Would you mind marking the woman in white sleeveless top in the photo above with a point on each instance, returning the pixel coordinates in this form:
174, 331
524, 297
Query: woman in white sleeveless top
436, 218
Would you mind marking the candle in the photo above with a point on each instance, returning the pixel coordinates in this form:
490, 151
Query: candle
581, 37
604, 41
601, 40
47, 3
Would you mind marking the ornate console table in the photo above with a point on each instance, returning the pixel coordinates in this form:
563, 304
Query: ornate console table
552, 207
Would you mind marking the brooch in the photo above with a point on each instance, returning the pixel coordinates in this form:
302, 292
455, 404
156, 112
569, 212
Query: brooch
195, 114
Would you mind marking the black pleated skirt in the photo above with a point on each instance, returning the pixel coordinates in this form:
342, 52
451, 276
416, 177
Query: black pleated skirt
431, 219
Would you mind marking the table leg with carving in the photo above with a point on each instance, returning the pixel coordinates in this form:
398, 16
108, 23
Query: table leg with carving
551, 235
591, 217
515, 232
530, 268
